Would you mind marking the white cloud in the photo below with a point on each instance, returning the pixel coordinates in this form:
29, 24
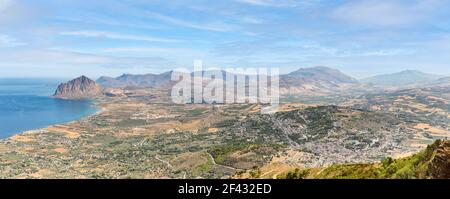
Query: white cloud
251, 20
216, 26
112, 35
5, 4
57, 63
386, 13
50, 57
8, 41
258, 2
280, 3
138, 49
175, 53
13, 11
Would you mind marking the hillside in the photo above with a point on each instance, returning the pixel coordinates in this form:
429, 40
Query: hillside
320, 73
129, 80
317, 81
326, 135
442, 82
402, 79
433, 162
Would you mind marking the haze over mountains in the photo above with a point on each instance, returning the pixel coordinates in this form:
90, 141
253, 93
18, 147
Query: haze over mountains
129, 80
402, 79
304, 81
445, 81
316, 80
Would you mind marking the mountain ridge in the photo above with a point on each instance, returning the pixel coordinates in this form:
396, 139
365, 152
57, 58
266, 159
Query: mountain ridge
304, 80
406, 78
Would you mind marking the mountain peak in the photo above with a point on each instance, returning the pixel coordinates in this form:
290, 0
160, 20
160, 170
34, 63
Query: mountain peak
322, 73
82, 79
317, 68
79, 88
322, 68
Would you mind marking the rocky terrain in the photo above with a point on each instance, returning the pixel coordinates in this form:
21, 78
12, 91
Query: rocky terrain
79, 88
439, 167
431, 163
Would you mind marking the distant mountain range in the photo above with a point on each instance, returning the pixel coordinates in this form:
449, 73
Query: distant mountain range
304, 81
407, 78
445, 81
129, 80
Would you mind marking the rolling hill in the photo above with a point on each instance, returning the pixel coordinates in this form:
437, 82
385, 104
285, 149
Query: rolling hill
407, 78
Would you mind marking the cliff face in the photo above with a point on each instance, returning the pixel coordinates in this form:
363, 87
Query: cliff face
79, 88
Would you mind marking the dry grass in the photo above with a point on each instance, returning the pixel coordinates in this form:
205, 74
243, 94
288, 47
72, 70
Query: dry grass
22, 138
432, 130
68, 133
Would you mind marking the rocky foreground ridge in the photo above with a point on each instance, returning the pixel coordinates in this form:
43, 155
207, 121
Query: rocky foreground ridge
431, 163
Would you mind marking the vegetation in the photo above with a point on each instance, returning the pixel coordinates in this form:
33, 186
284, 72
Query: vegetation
220, 153
413, 167
297, 174
196, 112
255, 173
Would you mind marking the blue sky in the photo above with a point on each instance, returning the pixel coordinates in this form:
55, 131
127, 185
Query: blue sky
55, 38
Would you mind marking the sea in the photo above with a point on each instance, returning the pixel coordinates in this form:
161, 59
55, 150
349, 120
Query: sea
26, 104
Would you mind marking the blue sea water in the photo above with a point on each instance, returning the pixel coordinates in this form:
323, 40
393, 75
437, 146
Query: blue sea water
25, 104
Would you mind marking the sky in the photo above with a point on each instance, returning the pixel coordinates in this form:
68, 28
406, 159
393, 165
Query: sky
54, 38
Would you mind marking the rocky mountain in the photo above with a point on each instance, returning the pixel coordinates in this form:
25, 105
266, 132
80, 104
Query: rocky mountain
316, 80
407, 78
320, 73
129, 80
79, 88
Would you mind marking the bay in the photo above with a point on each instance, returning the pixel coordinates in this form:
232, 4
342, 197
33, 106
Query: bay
26, 104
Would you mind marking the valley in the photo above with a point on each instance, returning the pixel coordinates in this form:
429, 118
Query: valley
139, 133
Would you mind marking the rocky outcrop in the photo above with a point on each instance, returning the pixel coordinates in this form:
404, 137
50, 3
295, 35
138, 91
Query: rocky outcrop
79, 88
440, 165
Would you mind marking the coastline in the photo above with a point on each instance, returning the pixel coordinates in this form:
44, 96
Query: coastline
94, 106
